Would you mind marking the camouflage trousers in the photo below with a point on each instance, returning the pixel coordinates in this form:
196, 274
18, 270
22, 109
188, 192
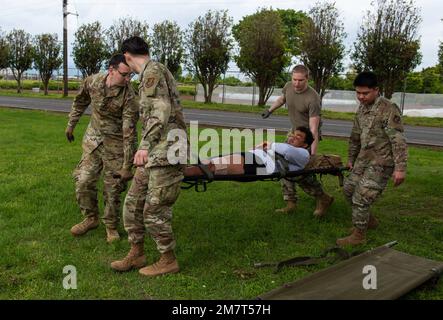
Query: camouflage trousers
308, 183
362, 187
86, 176
148, 205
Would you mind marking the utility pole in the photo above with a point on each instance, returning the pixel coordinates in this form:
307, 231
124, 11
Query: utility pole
65, 47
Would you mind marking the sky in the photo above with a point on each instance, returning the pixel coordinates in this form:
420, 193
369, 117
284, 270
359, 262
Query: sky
45, 16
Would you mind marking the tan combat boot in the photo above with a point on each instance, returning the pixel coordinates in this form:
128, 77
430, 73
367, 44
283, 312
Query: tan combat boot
134, 259
290, 206
167, 264
357, 237
372, 223
84, 226
112, 235
323, 203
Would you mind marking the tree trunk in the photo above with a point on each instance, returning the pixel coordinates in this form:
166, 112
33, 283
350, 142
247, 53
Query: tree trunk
19, 83
45, 81
210, 91
45, 86
388, 90
317, 85
388, 94
205, 93
261, 95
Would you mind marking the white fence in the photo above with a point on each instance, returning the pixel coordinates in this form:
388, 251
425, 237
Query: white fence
416, 105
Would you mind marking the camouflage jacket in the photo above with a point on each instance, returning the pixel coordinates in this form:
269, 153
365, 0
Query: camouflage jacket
115, 113
160, 112
377, 136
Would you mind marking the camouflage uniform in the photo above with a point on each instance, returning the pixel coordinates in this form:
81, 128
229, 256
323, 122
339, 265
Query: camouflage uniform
308, 183
156, 186
109, 144
377, 148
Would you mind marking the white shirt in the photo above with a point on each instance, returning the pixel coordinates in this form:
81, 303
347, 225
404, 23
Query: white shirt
297, 158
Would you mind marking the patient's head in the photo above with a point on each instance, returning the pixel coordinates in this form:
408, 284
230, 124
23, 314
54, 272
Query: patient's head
302, 137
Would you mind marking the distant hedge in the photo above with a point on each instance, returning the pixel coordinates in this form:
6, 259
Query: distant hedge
29, 84
72, 85
184, 90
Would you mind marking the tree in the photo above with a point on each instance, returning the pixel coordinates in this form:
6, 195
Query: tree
414, 83
321, 44
89, 49
337, 82
387, 42
208, 43
3, 51
20, 54
167, 45
262, 54
431, 80
293, 28
440, 60
122, 29
293, 22
47, 56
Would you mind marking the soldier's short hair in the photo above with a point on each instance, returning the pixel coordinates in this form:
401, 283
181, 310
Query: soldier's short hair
309, 137
366, 79
135, 45
116, 59
301, 69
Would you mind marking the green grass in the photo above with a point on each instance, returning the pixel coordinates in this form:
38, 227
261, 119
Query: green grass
220, 233
188, 90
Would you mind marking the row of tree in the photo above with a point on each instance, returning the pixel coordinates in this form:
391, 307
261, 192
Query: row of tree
19, 51
429, 80
263, 45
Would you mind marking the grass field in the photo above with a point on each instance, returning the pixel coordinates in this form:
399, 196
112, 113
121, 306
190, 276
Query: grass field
220, 233
327, 114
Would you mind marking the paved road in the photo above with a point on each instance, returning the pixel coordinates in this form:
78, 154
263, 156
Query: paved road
336, 128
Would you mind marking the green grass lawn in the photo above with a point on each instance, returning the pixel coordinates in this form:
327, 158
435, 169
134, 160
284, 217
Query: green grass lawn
327, 114
220, 233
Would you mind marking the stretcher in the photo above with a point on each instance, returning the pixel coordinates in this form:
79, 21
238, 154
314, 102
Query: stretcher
396, 274
200, 182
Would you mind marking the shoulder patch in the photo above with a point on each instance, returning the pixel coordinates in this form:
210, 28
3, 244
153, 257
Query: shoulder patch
396, 119
149, 82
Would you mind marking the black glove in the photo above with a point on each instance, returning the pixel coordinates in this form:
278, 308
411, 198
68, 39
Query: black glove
69, 133
266, 114
123, 174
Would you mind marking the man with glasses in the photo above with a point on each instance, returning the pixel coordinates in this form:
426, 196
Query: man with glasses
109, 144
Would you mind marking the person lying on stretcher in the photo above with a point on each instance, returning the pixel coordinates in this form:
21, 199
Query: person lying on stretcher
262, 160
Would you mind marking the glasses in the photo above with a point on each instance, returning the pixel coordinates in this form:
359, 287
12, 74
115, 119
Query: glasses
126, 74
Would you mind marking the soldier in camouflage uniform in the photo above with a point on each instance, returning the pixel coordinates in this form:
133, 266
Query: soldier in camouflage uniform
377, 151
109, 144
156, 184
